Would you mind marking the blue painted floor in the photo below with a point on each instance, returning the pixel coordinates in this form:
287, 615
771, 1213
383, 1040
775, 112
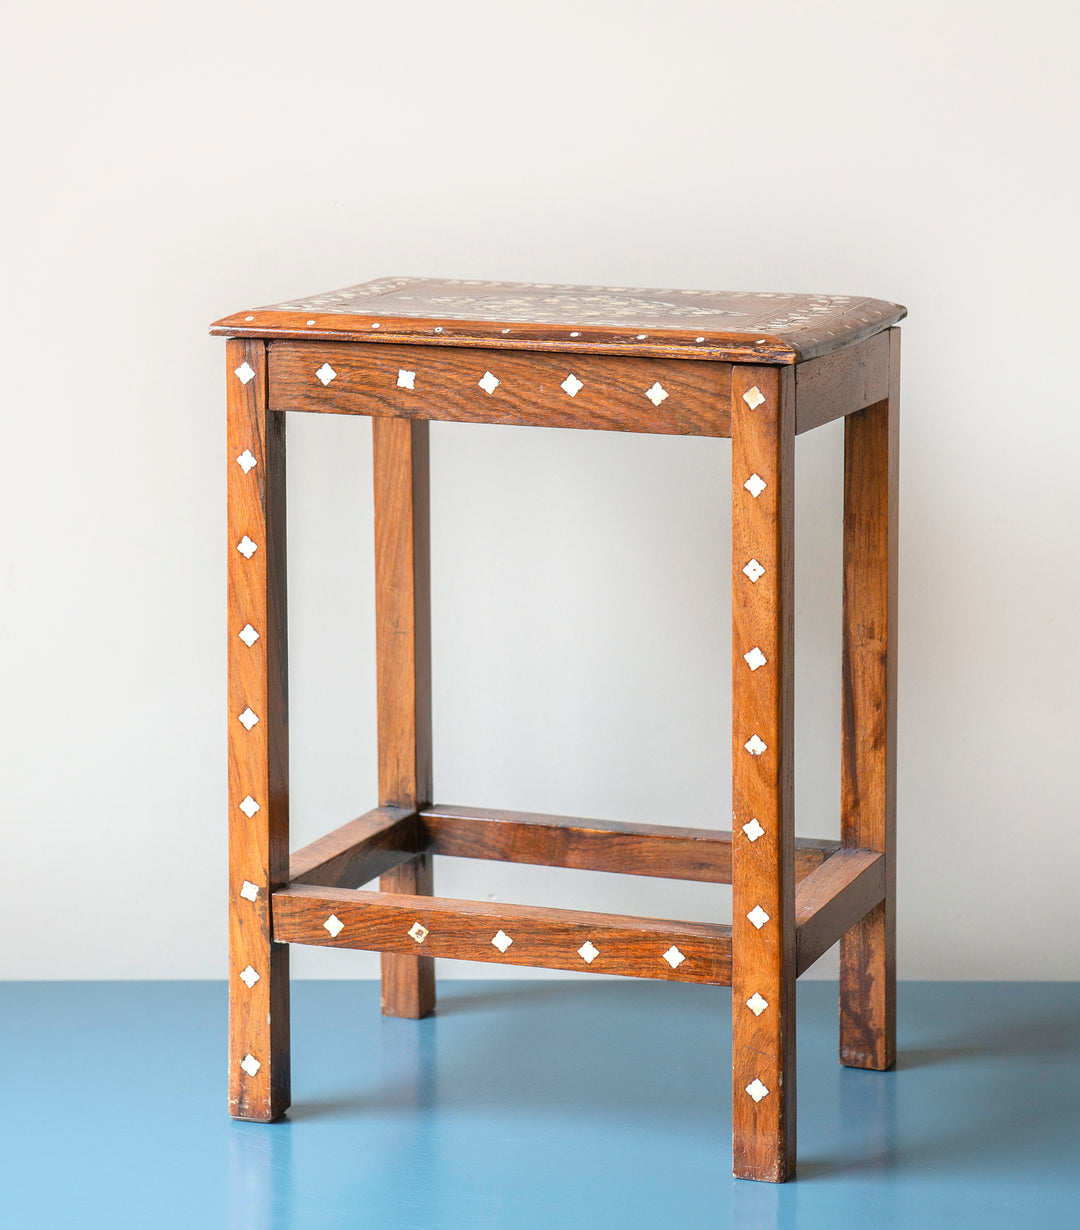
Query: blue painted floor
526, 1105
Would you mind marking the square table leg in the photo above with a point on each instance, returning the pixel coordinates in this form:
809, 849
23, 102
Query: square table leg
259, 1074
763, 828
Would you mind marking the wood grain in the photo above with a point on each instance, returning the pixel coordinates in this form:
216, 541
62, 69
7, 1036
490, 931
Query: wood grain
840, 383
868, 766
530, 393
362, 850
541, 937
258, 758
831, 900
763, 1045
403, 671
595, 845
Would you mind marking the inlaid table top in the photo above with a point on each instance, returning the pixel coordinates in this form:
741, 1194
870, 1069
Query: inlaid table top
735, 326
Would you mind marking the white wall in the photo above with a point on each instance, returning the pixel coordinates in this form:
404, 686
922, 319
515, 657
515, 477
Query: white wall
167, 164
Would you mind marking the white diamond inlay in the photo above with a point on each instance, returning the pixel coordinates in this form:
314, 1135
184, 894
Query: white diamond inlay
246, 461
755, 484
758, 917
572, 385
488, 382
755, 658
250, 1064
753, 830
249, 976
245, 372
249, 890
247, 719
246, 547
248, 635
674, 957
757, 1090
334, 925
757, 1004
755, 745
326, 373
657, 393
405, 380
418, 932
754, 570
249, 807
588, 953
753, 397
501, 941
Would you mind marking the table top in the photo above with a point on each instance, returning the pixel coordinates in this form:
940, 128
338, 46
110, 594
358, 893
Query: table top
736, 326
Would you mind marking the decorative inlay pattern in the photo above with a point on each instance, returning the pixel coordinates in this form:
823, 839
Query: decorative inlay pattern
250, 1064
755, 745
501, 940
754, 570
249, 807
334, 925
248, 635
246, 461
245, 372
246, 547
757, 1090
753, 830
418, 932
588, 953
753, 397
758, 917
406, 380
674, 957
249, 977
657, 394
248, 890
488, 382
757, 1004
755, 658
755, 484
326, 373
247, 719
572, 385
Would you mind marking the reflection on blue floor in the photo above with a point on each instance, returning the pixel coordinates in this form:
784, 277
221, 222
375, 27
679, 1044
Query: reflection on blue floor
525, 1105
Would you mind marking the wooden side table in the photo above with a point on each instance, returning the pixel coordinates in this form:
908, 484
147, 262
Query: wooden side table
759, 368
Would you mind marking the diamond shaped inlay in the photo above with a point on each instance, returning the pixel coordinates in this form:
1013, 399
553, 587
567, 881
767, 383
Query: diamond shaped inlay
588, 953
572, 385
245, 372
757, 1004
249, 976
488, 382
501, 941
753, 397
246, 547
753, 830
250, 1064
249, 890
657, 394
674, 957
755, 484
249, 807
755, 658
247, 719
758, 917
754, 570
755, 745
248, 635
405, 380
757, 1090
326, 373
418, 932
246, 461
334, 925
